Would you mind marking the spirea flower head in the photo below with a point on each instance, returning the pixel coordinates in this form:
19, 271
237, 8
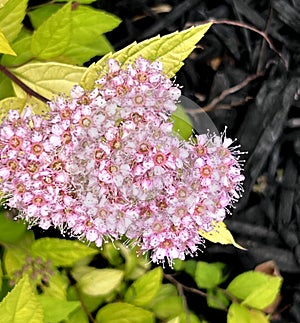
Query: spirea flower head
106, 163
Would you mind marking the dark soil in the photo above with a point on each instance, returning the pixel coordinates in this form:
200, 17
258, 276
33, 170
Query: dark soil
255, 90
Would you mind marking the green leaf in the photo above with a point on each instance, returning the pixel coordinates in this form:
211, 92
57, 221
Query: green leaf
171, 50
14, 254
6, 88
256, 289
99, 282
21, 305
238, 313
39, 15
182, 124
53, 36
1, 275
166, 303
11, 17
63, 253
144, 289
190, 267
209, 275
56, 310
10, 230
22, 47
168, 307
4, 45
47, 79
123, 313
217, 299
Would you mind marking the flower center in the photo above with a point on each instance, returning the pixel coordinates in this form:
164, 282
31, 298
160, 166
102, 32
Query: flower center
144, 148
205, 171
37, 149
66, 137
15, 142
65, 114
85, 122
99, 154
138, 99
38, 200
20, 188
181, 193
32, 167
201, 151
12, 165
58, 165
160, 159
142, 77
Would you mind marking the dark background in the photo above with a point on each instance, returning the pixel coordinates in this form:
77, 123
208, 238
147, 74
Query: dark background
255, 90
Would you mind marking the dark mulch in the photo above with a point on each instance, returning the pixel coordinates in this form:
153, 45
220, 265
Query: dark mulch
261, 109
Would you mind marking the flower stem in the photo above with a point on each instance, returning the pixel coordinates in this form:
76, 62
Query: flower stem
22, 85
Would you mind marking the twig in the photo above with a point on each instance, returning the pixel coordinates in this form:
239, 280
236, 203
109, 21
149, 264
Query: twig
263, 45
180, 287
225, 93
243, 25
22, 85
83, 305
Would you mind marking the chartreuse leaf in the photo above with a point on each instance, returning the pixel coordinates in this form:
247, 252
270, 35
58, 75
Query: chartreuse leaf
135, 266
15, 254
63, 253
57, 285
21, 305
53, 36
11, 17
217, 299
56, 310
22, 47
256, 289
47, 79
220, 234
238, 313
90, 302
144, 289
11, 103
186, 318
124, 313
100, 282
78, 1
10, 231
209, 275
4, 45
77, 316
171, 50
86, 40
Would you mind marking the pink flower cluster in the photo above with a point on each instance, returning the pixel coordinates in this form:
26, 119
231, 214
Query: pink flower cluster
106, 164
